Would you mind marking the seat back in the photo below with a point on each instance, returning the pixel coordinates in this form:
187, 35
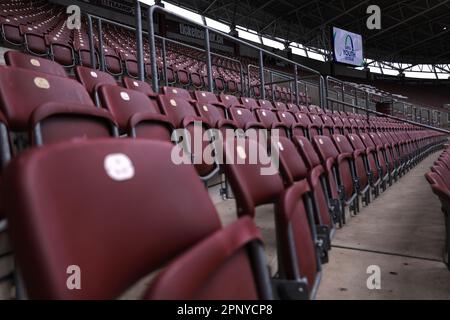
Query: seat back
22, 91
116, 208
140, 86
93, 79
22, 60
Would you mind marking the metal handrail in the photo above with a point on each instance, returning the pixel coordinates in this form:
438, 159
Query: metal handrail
163, 39
150, 20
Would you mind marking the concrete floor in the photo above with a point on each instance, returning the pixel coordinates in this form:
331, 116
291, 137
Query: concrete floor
402, 232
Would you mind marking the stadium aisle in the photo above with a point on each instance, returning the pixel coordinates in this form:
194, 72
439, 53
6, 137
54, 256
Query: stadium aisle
401, 232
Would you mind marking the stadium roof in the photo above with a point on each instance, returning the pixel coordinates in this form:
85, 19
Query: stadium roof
414, 31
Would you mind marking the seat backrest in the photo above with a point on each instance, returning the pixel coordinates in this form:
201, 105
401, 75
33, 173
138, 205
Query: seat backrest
244, 169
325, 147
124, 103
22, 91
93, 79
178, 93
249, 103
292, 165
307, 151
342, 144
266, 117
229, 100
137, 85
22, 60
265, 104
116, 208
242, 116
205, 97
177, 109
356, 141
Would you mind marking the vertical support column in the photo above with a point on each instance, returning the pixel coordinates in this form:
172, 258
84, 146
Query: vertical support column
261, 75
367, 106
327, 102
296, 85
151, 41
100, 45
139, 44
164, 56
91, 43
208, 59
356, 99
241, 75
343, 96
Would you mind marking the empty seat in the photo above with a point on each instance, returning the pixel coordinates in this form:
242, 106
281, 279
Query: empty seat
196, 257
339, 165
136, 114
140, 86
297, 252
54, 108
249, 103
21, 60
177, 93
92, 80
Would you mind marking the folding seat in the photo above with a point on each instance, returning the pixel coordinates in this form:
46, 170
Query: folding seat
316, 121
206, 97
269, 119
265, 104
339, 165
360, 169
232, 86
53, 108
374, 170
280, 106
11, 32
61, 52
196, 80
294, 169
140, 86
215, 116
183, 78
380, 160
244, 118
385, 154
92, 80
184, 114
249, 103
289, 120
229, 100
299, 265
177, 93
135, 113
328, 125
300, 107
393, 144
219, 84
113, 64
347, 126
310, 128
183, 241
84, 58
131, 66
34, 42
21, 60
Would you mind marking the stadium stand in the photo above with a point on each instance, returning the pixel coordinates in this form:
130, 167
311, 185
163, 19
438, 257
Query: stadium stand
85, 150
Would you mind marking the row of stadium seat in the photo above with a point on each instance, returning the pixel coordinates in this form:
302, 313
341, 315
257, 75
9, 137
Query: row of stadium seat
25, 24
439, 179
324, 169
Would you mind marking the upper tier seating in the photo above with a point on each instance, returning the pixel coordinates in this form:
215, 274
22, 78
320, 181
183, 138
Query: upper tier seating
133, 213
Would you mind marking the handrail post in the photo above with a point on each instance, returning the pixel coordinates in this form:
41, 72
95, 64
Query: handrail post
164, 56
296, 85
139, 44
151, 41
100, 45
261, 75
208, 61
91, 43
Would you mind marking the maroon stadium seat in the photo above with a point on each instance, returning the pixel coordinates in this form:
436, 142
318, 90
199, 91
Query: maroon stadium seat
197, 258
21, 60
